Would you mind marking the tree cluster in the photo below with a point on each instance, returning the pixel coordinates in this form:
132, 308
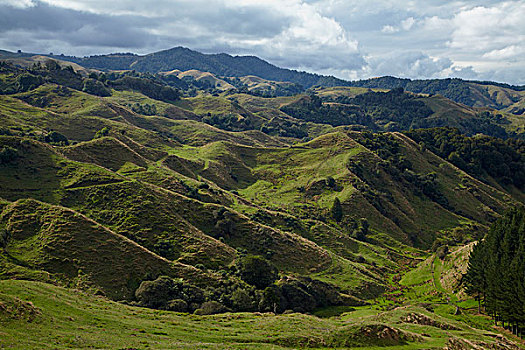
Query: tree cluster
311, 109
481, 156
250, 285
496, 270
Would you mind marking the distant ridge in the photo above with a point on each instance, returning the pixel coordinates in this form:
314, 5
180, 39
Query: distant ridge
471, 93
221, 64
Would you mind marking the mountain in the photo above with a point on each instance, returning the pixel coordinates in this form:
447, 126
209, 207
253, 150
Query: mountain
184, 59
471, 93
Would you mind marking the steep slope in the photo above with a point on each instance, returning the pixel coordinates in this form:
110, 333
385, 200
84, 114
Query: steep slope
74, 248
304, 181
208, 179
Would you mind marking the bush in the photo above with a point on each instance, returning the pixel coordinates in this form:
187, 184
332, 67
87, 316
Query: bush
177, 305
257, 271
95, 87
4, 236
8, 154
241, 301
28, 81
271, 300
101, 133
337, 210
211, 308
56, 138
157, 294
442, 252
297, 298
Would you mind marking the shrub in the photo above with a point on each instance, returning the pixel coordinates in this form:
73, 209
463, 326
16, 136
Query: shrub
4, 236
177, 305
297, 298
256, 271
241, 300
8, 154
56, 138
211, 308
337, 210
272, 300
156, 293
102, 132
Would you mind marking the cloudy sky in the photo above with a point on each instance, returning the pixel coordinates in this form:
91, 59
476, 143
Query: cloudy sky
350, 39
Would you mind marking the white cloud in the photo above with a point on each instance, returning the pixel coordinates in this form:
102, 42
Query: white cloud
489, 28
18, 3
388, 29
405, 25
408, 23
413, 64
511, 51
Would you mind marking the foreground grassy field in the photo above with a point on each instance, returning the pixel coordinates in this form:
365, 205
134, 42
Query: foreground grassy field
36, 315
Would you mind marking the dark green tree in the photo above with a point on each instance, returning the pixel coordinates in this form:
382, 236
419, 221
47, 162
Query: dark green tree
257, 271
337, 210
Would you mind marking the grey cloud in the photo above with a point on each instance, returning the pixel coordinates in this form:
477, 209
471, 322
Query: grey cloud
409, 65
48, 23
315, 35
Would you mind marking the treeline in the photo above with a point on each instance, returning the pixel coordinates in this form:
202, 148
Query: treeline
219, 64
456, 89
15, 80
249, 285
481, 156
311, 109
395, 110
496, 271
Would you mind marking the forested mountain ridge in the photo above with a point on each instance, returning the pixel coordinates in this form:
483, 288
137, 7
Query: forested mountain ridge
471, 93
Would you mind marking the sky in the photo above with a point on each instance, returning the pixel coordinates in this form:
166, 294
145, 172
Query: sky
350, 39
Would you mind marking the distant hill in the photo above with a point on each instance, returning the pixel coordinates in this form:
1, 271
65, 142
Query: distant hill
471, 93
162, 191
222, 64
495, 95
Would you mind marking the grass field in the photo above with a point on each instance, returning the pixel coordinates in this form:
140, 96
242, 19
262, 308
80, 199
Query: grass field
61, 318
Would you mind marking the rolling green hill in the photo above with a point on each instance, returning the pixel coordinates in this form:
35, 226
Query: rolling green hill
471, 93
147, 195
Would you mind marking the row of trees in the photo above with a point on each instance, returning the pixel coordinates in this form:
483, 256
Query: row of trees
496, 271
249, 286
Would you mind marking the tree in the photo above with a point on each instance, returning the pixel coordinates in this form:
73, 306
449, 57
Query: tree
257, 271
56, 138
8, 154
362, 230
95, 87
337, 210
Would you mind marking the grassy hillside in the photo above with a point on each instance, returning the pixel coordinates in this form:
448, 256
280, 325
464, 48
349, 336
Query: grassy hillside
76, 249
61, 318
123, 186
